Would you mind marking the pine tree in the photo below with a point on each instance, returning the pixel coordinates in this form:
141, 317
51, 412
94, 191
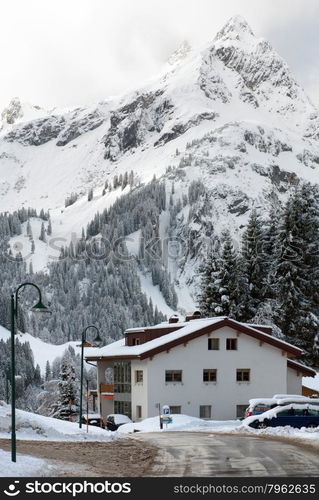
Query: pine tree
131, 179
48, 374
29, 230
42, 236
90, 194
255, 267
297, 269
49, 230
125, 180
206, 296
67, 391
221, 291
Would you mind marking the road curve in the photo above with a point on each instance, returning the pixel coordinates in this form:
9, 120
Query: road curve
213, 455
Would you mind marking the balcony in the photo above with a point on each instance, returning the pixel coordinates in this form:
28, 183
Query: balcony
107, 391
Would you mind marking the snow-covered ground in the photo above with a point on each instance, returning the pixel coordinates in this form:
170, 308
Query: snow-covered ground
38, 427
25, 466
42, 351
180, 423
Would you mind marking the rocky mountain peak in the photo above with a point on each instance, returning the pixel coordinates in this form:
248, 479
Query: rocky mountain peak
236, 27
13, 111
180, 53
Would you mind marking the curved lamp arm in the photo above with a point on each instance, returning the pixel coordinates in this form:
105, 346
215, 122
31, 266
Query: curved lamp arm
97, 339
38, 307
25, 284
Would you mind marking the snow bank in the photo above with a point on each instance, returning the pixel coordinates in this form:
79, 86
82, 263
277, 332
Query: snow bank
25, 466
38, 427
303, 434
180, 423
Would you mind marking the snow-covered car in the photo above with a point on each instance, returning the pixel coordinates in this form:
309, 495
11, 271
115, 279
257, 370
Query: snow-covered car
115, 420
295, 415
260, 405
93, 419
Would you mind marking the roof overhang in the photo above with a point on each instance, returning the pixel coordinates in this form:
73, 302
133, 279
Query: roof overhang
304, 370
225, 322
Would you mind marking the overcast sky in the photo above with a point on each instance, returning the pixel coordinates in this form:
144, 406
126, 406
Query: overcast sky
72, 52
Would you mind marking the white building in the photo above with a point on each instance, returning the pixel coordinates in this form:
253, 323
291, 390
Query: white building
206, 368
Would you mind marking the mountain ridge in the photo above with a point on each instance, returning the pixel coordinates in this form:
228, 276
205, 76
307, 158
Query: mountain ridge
230, 115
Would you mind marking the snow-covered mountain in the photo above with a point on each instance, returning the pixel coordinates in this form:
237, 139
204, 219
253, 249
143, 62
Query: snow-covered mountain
230, 115
18, 112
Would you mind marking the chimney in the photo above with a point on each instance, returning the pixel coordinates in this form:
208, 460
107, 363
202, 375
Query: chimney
173, 319
194, 315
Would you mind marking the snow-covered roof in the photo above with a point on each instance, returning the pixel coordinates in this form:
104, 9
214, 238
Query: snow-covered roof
119, 348
306, 370
312, 382
184, 333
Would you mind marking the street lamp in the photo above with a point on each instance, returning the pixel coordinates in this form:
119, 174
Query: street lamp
97, 341
38, 307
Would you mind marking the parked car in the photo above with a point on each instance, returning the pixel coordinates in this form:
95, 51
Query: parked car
260, 405
295, 415
115, 420
93, 419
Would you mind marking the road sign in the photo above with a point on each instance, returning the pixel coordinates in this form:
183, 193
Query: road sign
166, 410
167, 420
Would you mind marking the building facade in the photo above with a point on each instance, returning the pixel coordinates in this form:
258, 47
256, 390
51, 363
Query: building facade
207, 368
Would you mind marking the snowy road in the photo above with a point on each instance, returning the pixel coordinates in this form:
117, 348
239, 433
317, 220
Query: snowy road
204, 454
197, 454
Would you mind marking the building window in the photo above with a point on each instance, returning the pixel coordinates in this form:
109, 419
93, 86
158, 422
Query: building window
173, 375
175, 409
139, 376
243, 375
136, 341
231, 344
122, 377
213, 344
205, 411
209, 375
123, 407
138, 411
240, 410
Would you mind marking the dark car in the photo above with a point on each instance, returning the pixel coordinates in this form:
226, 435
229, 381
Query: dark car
115, 420
294, 415
93, 419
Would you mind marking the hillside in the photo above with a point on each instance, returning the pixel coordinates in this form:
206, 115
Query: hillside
226, 129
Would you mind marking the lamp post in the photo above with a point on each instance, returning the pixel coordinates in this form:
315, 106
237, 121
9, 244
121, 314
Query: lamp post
7, 386
38, 307
84, 343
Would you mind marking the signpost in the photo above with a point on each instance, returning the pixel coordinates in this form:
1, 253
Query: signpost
158, 405
166, 415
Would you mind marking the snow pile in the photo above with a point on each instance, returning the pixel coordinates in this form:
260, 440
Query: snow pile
25, 466
180, 423
38, 427
303, 434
